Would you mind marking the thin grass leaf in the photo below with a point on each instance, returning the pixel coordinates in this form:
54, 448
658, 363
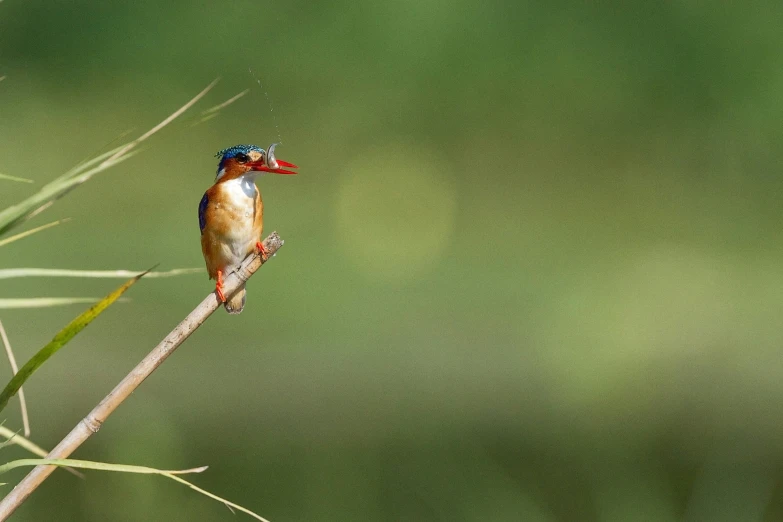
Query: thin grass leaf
13, 303
6, 442
14, 178
213, 112
102, 156
125, 468
100, 466
43, 199
225, 103
205, 119
15, 369
12, 437
60, 340
165, 122
71, 184
80, 175
229, 505
32, 231
85, 164
13, 273
16, 214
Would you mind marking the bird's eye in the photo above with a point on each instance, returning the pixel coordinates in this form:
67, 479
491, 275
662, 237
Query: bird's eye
241, 157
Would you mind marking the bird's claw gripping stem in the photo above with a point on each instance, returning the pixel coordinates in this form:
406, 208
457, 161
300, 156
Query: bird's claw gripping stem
219, 287
261, 251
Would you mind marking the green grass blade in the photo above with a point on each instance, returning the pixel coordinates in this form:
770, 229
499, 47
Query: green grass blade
7, 442
13, 273
205, 119
16, 214
12, 303
60, 340
101, 466
21, 235
226, 103
14, 178
13, 437
86, 164
126, 468
228, 504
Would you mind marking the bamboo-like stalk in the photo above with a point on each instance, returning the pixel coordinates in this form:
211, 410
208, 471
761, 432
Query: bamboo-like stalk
93, 421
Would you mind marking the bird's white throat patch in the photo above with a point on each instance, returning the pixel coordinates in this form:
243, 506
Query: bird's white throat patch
241, 189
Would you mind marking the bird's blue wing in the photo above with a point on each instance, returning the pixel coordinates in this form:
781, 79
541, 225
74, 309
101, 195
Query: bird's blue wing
202, 211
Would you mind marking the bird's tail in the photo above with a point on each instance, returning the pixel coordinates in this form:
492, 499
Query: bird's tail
237, 302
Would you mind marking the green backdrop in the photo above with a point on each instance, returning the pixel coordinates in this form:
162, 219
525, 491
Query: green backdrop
532, 267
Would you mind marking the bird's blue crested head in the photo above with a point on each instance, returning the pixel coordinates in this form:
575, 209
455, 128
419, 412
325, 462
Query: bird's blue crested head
235, 151
240, 160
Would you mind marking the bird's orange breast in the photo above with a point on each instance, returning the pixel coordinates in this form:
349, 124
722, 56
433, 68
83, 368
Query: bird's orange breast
232, 222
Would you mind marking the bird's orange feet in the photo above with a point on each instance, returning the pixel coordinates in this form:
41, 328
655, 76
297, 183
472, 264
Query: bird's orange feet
219, 286
261, 250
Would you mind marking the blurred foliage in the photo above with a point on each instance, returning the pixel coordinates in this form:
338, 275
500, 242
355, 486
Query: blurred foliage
62, 338
532, 267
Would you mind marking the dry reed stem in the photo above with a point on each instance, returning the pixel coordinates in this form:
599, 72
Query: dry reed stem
93, 421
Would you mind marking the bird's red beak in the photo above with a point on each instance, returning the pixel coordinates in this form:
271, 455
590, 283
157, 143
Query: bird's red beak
263, 167
271, 164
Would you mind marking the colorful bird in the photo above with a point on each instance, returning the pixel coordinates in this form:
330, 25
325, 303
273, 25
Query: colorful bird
231, 214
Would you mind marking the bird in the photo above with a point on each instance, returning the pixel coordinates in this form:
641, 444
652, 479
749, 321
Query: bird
231, 214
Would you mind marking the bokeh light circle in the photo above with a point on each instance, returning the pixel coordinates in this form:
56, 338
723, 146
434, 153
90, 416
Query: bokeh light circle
396, 211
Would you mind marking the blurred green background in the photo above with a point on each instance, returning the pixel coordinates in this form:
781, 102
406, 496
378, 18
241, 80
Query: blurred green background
532, 266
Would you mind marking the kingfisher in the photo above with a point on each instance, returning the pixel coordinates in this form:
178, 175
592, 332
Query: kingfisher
231, 214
